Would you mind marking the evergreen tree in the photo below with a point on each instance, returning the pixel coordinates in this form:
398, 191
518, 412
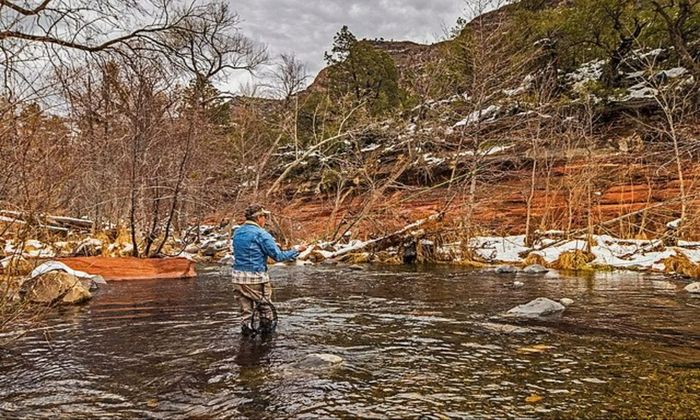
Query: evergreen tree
365, 73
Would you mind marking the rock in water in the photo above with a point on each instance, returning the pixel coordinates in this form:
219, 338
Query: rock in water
538, 307
319, 360
535, 269
506, 269
356, 267
693, 287
518, 284
566, 301
56, 287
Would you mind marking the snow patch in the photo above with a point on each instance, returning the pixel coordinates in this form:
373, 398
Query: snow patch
478, 116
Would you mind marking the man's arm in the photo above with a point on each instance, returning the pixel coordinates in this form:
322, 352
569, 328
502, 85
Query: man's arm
273, 251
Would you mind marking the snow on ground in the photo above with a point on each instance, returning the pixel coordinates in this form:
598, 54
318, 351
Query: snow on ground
587, 72
609, 251
674, 72
479, 115
640, 91
371, 147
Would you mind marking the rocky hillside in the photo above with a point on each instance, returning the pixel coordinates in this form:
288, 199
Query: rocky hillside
524, 138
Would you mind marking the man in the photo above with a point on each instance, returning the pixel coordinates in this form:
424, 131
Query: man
251, 246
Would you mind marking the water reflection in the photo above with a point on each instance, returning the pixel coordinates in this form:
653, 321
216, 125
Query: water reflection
254, 352
416, 341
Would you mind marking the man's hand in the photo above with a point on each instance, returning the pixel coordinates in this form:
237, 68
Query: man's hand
300, 248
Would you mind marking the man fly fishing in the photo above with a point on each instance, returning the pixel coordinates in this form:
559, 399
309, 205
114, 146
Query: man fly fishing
252, 245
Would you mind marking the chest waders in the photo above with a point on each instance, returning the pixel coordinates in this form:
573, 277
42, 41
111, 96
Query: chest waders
259, 324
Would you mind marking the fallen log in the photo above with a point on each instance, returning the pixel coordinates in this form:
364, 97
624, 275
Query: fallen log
71, 222
130, 268
383, 242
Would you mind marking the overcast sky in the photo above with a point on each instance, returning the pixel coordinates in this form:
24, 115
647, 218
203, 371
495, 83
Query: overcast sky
306, 27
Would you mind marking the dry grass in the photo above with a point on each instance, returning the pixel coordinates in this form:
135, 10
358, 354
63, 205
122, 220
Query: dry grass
468, 263
17, 266
385, 257
534, 258
574, 260
356, 258
681, 264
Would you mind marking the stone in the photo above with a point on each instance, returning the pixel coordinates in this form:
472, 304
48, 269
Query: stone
319, 360
518, 284
693, 287
356, 267
538, 307
56, 287
506, 269
566, 301
89, 281
535, 269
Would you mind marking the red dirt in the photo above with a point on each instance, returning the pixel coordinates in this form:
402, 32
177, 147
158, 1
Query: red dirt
500, 207
129, 268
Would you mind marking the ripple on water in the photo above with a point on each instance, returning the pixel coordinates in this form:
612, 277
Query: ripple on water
413, 343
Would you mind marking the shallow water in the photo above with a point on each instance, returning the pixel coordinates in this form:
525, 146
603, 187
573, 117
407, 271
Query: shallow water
426, 341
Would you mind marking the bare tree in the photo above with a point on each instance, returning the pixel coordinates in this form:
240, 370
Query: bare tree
287, 77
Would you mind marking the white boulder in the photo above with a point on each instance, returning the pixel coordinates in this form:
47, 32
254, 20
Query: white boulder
538, 307
90, 281
535, 269
506, 269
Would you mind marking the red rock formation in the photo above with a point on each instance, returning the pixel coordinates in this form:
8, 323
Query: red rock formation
129, 268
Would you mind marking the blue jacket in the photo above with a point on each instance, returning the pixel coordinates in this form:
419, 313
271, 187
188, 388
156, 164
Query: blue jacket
251, 247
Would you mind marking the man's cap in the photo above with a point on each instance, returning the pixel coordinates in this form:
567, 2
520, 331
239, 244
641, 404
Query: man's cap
255, 210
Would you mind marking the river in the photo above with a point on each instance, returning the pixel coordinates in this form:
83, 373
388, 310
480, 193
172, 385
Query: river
420, 341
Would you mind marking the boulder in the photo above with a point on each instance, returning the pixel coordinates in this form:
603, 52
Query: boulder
693, 287
90, 281
506, 269
538, 307
535, 269
55, 287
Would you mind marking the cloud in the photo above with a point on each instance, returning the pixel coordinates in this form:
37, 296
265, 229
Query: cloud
307, 27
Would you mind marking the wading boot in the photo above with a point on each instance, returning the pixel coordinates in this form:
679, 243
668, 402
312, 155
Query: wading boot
246, 331
266, 326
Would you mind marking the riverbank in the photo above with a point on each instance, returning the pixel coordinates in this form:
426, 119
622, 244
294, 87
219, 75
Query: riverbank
412, 244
